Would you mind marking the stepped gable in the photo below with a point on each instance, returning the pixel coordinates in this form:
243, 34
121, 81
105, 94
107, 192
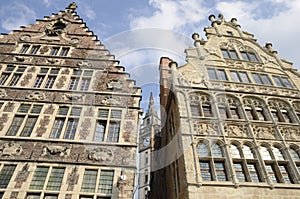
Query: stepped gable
67, 29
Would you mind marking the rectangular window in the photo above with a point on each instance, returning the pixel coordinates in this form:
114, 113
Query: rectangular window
100, 131
286, 82
285, 174
106, 182
113, 133
207, 112
222, 75
88, 73
54, 71
24, 108
103, 113
55, 179
44, 70
57, 128
256, 78
29, 125
63, 110
245, 56
73, 83
233, 54
64, 52
36, 109
217, 74
54, 51
220, 171
234, 76
34, 50
39, 178
271, 173
39, 80
116, 114
205, 171
21, 69
239, 172
249, 113
212, 74
223, 112
265, 79
260, 115
244, 77
225, 53
75, 111
234, 112
50, 81
14, 80
85, 83
6, 174
33, 196
71, 128
51, 196
252, 57
253, 172
24, 49
10, 68
15, 125
3, 78
89, 181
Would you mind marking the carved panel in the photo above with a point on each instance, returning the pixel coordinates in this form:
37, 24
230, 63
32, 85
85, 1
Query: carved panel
65, 71
14, 195
36, 95
26, 79
235, 130
206, 128
72, 179
3, 120
10, 149
44, 50
56, 150
100, 154
130, 115
61, 82
264, 132
22, 176
49, 110
3, 93
42, 128
85, 128
290, 133
9, 107
128, 128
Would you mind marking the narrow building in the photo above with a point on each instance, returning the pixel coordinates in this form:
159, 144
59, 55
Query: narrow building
149, 129
68, 114
232, 121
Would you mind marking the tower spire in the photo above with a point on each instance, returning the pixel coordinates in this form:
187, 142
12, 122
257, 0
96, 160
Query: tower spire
151, 107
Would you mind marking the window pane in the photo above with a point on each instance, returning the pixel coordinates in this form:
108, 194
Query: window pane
234, 113
113, 134
29, 125
88, 73
202, 150
39, 178
222, 75
63, 110
244, 77
3, 78
220, 171
54, 71
286, 116
212, 74
205, 171
234, 151
24, 108
277, 81
260, 115
286, 82
285, 174
15, 125
239, 172
36, 109
216, 151
247, 152
245, 56
89, 181
233, 54
106, 182
277, 153
77, 72
265, 153
44, 70
103, 113
64, 52
14, 80
100, 131
249, 113
57, 128
50, 82
54, 51
223, 112
55, 179
85, 83
34, 50
6, 174
117, 114
234, 76
252, 57
21, 69
39, 80
73, 83
76, 111
294, 155
33, 196
24, 49
207, 110
265, 79
256, 78
195, 109
71, 129
225, 53
271, 173
253, 173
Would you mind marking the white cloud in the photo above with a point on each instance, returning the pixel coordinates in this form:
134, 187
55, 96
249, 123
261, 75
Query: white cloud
88, 11
47, 2
16, 14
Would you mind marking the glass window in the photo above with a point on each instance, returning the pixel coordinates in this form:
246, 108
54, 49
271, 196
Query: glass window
252, 57
256, 78
21, 69
285, 174
64, 52
212, 74
24, 108
89, 180
116, 114
36, 109
54, 71
225, 53
244, 77
233, 54
223, 112
205, 171
50, 81
29, 125
54, 51
195, 109
39, 178
245, 56
294, 155
33, 196
24, 49
55, 179
247, 152
235, 153
207, 110
216, 151
220, 171
6, 174
44, 70
38, 81
73, 83
106, 182
14, 80
222, 75
239, 172
3, 78
57, 128
253, 172
85, 83
63, 110
265, 79
103, 113
265, 153
100, 131
71, 128
277, 153
113, 133
202, 150
88, 73
234, 76
271, 173
234, 113
10, 68
34, 50
76, 111
286, 82
15, 125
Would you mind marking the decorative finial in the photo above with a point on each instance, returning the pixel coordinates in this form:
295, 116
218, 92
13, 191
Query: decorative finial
195, 36
212, 18
72, 6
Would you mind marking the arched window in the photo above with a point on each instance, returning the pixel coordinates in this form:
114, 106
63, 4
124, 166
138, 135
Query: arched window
235, 153
294, 154
277, 154
281, 111
200, 105
247, 152
255, 109
212, 167
228, 107
265, 153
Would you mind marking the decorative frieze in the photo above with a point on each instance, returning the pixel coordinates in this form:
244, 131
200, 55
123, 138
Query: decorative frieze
264, 132
52, 150
236, 130
208, 128
85, 128
290, 133
10, 149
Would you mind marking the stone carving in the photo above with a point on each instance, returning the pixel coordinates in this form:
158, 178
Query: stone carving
74, 41
73, 97
49, 110
122, 156
206, 128
130, 115
101, 155
56, 28
44, 50
85, 128
265, 132
115, 84
235, 130
128, 127
25, 38
61, 82
14, 195
72, 179
26, 79
3, 120
10, 149
22, 176
9, 107
290, 133
65, 71
42, 128
53, 61
3, 93
112, 100
89, 111
32, 69
19, 58
63, 151
192, 77
84, 63
36, 95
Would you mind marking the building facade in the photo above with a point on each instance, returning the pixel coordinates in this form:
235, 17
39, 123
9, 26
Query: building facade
68, 114
232, 122
149, 128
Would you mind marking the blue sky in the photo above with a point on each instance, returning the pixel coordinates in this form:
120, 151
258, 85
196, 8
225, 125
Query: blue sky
155, 28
